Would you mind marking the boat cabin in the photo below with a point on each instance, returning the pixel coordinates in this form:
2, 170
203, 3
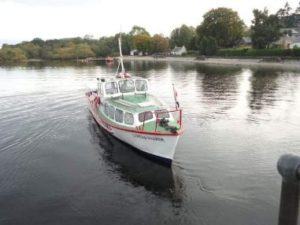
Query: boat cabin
111, 88
126, 102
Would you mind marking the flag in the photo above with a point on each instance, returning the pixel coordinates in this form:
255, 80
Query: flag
175, 97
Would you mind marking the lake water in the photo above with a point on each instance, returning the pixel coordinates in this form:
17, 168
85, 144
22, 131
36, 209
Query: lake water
58, 167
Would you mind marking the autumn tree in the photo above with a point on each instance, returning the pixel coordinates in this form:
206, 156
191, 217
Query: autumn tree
11, 55
159, 43
224, 25
142, 42
265, 29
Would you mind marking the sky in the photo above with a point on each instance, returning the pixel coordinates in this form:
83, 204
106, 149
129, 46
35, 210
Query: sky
48, 19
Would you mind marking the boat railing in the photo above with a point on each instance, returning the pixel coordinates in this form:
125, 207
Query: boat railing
176, 115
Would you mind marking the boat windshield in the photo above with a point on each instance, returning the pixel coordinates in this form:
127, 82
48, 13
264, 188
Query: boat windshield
141, 85
111, 88
126, 86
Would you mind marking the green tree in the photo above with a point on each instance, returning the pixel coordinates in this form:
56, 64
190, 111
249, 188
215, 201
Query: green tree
224, 25
265, 29
84, 51
138, 30
289, 19
285, 11
159, 43
38, 41
127, 43
31, 50
183, 35
208, 46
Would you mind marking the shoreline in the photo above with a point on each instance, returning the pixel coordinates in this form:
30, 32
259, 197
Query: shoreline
287, 64
291, 64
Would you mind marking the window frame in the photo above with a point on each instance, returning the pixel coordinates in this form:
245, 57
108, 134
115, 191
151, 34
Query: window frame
142, 115
125, 119
121, 113
116, 88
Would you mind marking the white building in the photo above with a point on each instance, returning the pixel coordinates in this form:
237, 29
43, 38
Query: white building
178, 50
296, 42
290, 38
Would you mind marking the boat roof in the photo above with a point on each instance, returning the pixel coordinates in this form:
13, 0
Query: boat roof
137, 103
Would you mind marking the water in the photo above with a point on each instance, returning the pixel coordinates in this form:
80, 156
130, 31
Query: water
58, 167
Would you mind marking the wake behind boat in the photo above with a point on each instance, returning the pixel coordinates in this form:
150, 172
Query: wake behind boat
122, 106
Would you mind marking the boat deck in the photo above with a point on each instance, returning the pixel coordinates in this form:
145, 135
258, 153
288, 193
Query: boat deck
150, 127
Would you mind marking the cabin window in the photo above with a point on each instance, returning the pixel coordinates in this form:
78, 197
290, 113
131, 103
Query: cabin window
128, 118
162, 113
111, 112
126, 86
141, 85
111, 88
101, 89
144, 116
106, 109
119, 115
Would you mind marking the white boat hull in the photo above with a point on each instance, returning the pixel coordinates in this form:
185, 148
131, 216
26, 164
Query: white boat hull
162, 147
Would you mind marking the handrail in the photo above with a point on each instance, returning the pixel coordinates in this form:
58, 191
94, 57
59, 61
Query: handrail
169, 111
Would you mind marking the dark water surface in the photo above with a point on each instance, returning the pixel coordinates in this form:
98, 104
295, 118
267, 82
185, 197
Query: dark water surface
58, 167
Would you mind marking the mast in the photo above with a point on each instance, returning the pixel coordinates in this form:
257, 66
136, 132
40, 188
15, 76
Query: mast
121, 55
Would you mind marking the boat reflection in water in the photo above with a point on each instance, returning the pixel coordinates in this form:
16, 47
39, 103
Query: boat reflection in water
133, 167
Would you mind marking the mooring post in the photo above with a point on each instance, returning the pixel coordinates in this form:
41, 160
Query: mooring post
289, 168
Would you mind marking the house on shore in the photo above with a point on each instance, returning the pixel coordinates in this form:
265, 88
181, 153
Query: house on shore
296, 42
245, 42
136, 52
290, 38
178, 51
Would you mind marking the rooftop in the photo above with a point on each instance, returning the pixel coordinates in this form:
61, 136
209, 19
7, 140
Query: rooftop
137, 103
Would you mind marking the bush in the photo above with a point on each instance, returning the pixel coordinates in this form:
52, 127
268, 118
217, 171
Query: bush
249, 52
11, 55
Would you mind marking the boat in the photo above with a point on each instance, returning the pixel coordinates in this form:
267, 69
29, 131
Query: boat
123, 106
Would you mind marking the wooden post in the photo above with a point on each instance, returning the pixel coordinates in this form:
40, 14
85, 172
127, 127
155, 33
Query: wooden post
289, 168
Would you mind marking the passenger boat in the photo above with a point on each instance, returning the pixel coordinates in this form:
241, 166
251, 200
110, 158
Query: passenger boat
123, 106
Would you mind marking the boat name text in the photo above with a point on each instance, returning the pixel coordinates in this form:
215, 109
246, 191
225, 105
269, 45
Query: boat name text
148, 137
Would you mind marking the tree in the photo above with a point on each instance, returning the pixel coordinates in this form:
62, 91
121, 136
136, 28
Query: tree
265, 29
208, 46
224, 25
285, 11
138, 30
84, 51
38, 41
183, 35
287, 18
11, 55
107, 46
127, 43
297, 10
143, 42
159, 43
31, 50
